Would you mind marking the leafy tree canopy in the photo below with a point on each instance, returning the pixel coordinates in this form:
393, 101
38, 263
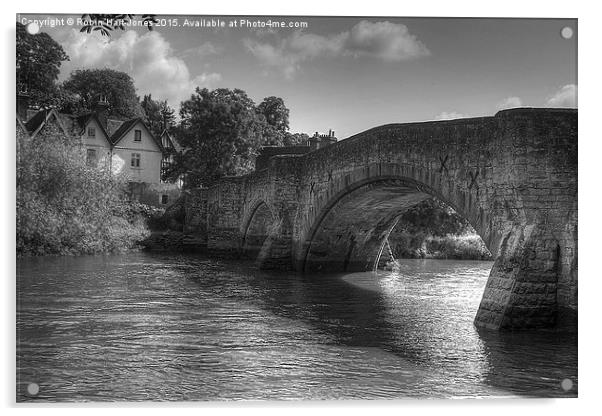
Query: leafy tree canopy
39, 59
295, 139
88, 85
106, 23
275, 112
158, 115
434, 218
222, 132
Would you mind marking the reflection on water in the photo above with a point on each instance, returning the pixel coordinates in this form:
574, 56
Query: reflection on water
172, 327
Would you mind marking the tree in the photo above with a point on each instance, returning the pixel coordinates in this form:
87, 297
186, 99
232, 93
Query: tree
434, 218
158, 115
117, 87
39, 59
222, 132
275, 113
67, 207
106, 23
295, 139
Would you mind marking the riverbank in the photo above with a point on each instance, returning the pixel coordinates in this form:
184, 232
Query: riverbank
126, 228
64, 206
433, 230
453, 247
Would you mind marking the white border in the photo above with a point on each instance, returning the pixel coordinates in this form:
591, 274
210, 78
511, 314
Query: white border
590, 162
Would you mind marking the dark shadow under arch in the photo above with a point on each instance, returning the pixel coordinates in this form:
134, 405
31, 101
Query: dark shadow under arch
350, 230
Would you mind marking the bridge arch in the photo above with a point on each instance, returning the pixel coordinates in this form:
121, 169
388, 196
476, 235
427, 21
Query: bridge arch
513, 176
256, 229
350, 225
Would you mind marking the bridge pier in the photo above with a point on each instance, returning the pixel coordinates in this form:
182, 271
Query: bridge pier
521, 291
513, 176
275, 253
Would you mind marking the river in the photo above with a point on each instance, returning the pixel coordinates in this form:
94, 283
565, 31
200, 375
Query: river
166, 327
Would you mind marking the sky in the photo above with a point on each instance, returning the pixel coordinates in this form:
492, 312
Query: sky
347, 74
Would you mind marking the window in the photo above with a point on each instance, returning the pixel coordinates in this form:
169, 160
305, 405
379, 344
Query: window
165, 164
91, 132
135, 162
164, 199
137, 135
91, 157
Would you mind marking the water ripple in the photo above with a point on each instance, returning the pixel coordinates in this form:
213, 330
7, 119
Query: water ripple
173, 327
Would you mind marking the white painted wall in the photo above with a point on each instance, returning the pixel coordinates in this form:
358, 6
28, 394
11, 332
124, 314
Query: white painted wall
100, 143
150, 157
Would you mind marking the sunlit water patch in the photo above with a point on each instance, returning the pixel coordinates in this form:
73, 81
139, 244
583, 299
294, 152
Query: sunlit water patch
172, 327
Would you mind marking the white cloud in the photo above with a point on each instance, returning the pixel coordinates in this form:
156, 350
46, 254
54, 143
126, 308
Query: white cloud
449, 115
385, 40
204, 49
510, 102
147, 58
566, 96
380, 40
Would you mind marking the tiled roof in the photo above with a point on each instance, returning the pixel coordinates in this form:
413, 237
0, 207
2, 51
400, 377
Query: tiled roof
36, 121
84, 119
175, 144
75, 125
123, 129
113, 125
127, 126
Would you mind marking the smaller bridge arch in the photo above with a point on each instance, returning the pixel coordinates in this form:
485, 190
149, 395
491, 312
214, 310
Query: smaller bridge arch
256, 229
513, 176
266, 237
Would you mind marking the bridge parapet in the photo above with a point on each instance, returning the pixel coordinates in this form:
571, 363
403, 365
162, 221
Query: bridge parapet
513, 176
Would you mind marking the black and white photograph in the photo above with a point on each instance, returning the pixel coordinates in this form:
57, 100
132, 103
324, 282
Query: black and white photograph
244, 207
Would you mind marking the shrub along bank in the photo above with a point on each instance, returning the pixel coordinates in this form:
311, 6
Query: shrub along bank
67, 207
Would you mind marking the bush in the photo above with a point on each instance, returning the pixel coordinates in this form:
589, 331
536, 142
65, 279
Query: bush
66, 207
431, 229
463, 247
460, 247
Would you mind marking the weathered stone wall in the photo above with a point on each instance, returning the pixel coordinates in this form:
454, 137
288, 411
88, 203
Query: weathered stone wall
195, 207
152, 193
267, 152
513, 176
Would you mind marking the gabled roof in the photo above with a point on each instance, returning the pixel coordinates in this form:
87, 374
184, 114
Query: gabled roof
83, 121
39, 120
123, 129
174, 143
127, 126
36, 121
42, 117
21, 126
113, 125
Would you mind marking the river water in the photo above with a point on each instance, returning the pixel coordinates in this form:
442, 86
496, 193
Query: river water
183, 327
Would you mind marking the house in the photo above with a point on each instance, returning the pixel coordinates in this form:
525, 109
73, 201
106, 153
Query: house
124, 147
317, 141
171, 147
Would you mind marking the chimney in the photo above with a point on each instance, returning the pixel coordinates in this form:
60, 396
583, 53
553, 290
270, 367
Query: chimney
101, 110
314, 142
22, 105
164, 119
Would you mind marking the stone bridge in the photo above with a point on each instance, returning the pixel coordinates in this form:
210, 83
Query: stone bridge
513, 176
